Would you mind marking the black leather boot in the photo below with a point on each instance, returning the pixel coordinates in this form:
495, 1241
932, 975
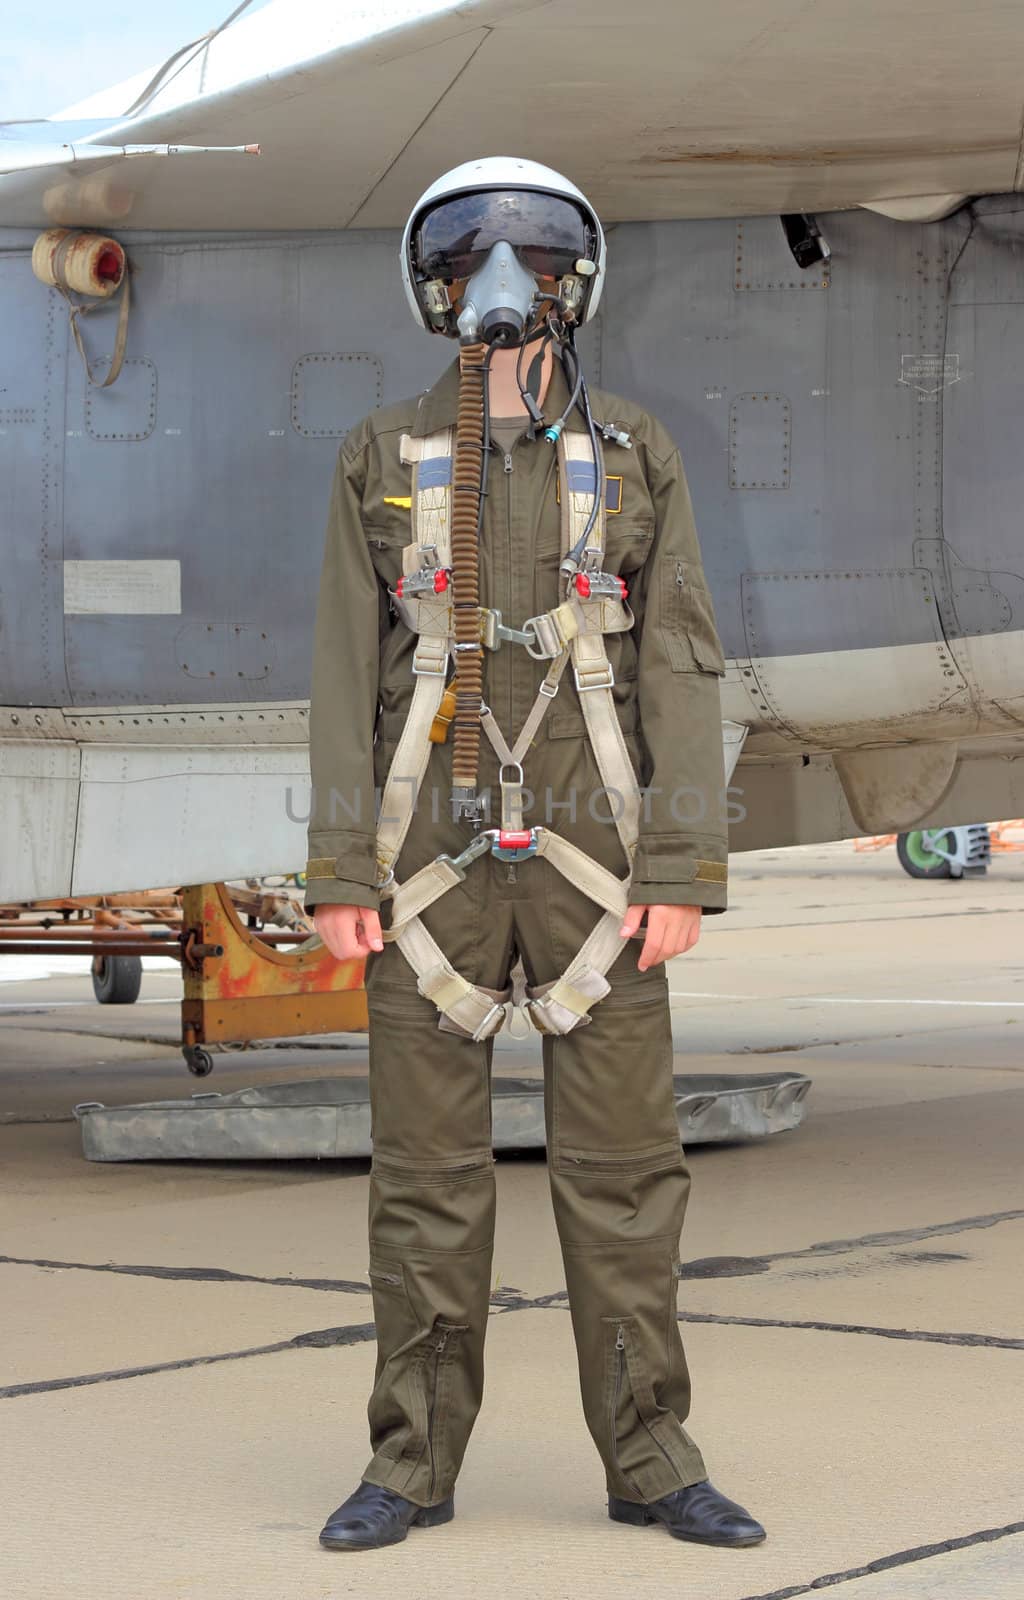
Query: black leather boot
372, 1517
699, 1513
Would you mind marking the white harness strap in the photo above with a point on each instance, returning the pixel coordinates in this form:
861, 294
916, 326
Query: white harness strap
562, 1005
591, 667
471, 1009
575, 630
431, 460
420, 891
431, 521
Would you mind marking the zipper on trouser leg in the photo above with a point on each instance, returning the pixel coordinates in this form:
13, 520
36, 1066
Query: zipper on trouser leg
613, 1410
438, 1353
444, 1339
629, 1364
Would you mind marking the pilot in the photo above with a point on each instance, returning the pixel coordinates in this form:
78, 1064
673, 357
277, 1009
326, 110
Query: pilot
518, 817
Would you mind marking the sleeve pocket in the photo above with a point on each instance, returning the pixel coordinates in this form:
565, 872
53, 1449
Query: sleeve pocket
688, 621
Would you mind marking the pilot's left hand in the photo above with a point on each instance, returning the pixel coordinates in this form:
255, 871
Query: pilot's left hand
671, 930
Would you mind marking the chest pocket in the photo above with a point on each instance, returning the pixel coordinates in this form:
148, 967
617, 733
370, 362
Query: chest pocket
628, 522
688, 620
628, 542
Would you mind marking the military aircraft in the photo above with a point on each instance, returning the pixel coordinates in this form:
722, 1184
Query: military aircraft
844, 384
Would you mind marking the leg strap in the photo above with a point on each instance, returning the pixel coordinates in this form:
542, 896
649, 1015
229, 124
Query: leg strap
465, 1007
561, 1006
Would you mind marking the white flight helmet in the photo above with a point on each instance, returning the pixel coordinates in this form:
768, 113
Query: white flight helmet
555, 235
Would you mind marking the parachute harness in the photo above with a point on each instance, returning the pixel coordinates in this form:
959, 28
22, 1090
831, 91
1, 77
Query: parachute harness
438, 598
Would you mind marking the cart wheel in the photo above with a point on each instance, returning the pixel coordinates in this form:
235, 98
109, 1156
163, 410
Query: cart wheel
918, 859
198, 1061
116, 980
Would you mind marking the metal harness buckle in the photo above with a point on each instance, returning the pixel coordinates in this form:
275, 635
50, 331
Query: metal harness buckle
544, 639
494, 633
601, 673
476, 847
431, 657
514, 844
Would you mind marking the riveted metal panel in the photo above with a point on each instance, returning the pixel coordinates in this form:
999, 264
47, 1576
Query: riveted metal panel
760, 436
332, 391
234, 476
838, 617
127, 410
763, 260
33, 356
224, 651
990, 269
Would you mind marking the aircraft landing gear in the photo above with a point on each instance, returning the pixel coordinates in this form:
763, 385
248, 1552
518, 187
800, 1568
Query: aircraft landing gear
945, 852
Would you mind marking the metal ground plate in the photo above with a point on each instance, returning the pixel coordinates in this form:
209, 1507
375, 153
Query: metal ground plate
331, 1117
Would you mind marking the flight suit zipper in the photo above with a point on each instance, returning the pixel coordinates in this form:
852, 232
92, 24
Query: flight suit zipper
448, 1332
613, 1409
511, 569
438, 1353
620, 1366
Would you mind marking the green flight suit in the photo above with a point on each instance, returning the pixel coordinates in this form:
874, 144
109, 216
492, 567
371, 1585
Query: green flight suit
618, 1176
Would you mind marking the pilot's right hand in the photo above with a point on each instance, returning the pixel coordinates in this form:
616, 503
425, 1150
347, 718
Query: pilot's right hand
349, 932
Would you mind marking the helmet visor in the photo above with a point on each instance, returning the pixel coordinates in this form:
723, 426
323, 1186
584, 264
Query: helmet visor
548, 234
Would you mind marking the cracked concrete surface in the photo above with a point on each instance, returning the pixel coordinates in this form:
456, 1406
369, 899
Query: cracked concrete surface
185, 1350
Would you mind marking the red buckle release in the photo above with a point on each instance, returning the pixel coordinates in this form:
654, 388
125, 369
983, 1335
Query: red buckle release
440, 580
582, 583
622, 587
514, 838
399, 586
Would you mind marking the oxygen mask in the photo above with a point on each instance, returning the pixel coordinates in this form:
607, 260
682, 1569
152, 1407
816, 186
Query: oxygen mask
498, 300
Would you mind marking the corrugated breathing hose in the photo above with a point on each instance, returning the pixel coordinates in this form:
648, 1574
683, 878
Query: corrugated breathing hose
467, 472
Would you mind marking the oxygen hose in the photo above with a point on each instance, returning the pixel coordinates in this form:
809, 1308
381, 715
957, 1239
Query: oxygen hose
467, 472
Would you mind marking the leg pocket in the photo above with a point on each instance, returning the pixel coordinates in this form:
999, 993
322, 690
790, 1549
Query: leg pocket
619, 1163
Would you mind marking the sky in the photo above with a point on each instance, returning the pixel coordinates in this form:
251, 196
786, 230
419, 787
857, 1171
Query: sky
54, 55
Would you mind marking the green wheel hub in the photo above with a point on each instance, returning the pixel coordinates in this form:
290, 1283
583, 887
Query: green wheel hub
920, 852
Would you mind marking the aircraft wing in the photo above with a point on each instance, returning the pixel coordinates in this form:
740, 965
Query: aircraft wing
657, 108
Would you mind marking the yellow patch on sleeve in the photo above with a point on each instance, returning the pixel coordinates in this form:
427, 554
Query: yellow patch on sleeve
403, 500
711, 872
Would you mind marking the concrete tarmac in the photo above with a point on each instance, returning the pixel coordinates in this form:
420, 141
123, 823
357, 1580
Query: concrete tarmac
186, 1349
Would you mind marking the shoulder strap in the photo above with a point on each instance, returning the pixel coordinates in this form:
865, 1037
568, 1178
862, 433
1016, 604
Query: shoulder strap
581, 477
431, 461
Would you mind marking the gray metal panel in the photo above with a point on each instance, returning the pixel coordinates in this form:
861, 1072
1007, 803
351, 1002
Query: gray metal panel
248, 356
33, 352
331, 1117
763, 260
681, 337
260, 354
760, 442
